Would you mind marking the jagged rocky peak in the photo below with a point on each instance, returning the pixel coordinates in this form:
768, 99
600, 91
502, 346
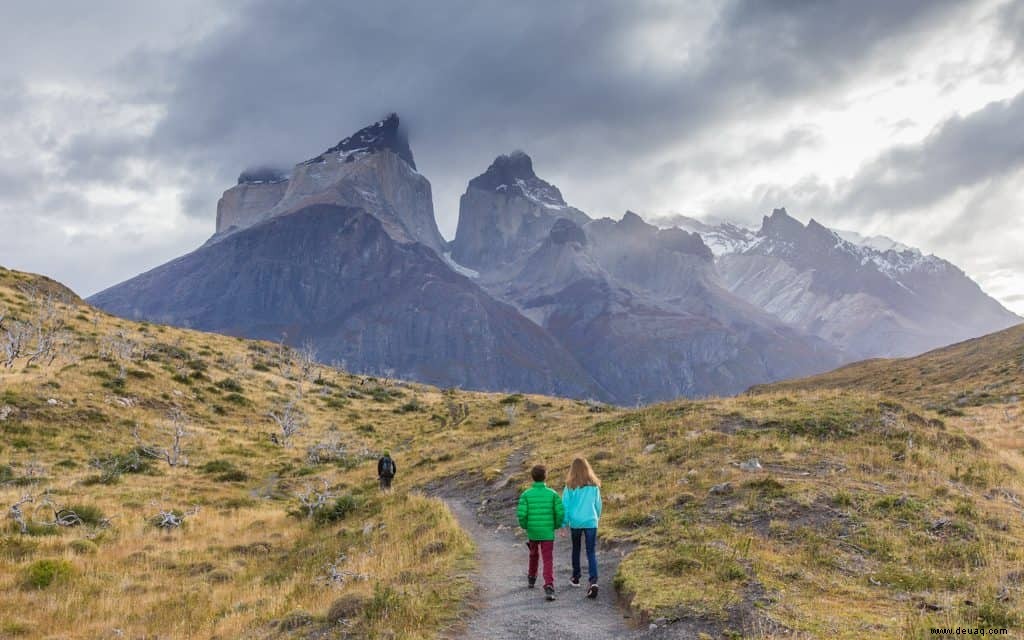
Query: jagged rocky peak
565, 230
817, 230
262, 175
372, 169
506, 213
680, 241
632, 220
513, 175
780, 225
387, 134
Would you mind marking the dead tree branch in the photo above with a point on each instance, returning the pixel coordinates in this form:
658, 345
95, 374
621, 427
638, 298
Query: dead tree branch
290, 421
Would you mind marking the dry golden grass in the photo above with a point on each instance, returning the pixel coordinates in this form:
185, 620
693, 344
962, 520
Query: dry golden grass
985, 370
867, 516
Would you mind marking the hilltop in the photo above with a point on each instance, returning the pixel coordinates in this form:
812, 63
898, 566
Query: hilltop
981, 371
783, 514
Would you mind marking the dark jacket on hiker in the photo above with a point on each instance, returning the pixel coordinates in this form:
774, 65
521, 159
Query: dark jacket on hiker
386, 467
540, 512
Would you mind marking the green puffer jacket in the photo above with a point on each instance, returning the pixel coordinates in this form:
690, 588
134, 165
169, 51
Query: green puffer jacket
540, 512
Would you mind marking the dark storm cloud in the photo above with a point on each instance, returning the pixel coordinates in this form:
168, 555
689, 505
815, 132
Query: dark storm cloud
100, 156
573, 83
1011, 20
961, 152
615, 101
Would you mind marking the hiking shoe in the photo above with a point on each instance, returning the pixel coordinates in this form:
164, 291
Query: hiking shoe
549, 592
592, 591
574, 582
531, 581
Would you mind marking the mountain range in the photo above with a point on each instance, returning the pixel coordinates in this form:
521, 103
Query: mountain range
533, 294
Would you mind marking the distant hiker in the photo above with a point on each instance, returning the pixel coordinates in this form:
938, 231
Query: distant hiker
386, 469
540, 512
582, 501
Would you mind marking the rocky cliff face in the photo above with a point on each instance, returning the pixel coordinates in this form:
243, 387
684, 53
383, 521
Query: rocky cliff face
344, 250
373, 169
250, 201
506, 212
640, 344
664, 262
334, 275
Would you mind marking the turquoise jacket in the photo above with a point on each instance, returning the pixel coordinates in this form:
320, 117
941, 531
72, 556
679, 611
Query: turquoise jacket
582, 507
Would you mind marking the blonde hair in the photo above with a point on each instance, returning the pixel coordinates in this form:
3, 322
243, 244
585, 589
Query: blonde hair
581, 474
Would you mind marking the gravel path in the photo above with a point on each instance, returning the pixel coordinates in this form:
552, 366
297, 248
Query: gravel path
510, 611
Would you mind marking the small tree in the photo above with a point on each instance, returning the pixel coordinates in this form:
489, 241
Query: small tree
313, 498
329, 451
290, 421
308, 366
173, 454
122, 349
42, 336
18, 515
172, 519
457, 411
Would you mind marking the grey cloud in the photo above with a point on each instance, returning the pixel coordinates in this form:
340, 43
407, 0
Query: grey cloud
963, 152
100, 156
576, 84
475, 79
1011, 21
959, 153
715, 162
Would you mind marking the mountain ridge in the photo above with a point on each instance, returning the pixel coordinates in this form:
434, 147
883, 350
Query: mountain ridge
612, 310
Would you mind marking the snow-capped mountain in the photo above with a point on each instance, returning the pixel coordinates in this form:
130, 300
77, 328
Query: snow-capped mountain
345, 253
640, 308
506, 212
534, 295
720, 238
870, 296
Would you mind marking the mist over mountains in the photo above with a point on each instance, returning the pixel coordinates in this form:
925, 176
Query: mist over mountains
533, 294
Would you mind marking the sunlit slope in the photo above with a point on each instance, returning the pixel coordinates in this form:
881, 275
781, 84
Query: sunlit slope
828, 514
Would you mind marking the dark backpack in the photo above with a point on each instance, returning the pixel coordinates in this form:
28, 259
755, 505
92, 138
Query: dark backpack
387, 467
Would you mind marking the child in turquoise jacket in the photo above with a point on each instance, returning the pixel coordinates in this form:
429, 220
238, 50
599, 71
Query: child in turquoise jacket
582, 501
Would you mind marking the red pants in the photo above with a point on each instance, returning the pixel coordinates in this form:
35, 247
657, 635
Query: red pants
544, 548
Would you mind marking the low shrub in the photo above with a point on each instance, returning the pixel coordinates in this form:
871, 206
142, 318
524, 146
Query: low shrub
87, 513
336, 511
83, 547
17, 548
346, 607
230, 384
43, 573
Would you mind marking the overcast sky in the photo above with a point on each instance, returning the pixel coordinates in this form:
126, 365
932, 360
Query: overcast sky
122, 122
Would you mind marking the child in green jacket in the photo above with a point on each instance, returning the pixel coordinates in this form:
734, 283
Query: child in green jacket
540, 512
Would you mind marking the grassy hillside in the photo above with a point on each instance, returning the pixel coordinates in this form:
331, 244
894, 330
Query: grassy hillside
985, 370
976, 385
861, 515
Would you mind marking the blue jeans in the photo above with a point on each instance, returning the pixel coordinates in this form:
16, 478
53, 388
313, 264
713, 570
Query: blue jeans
590, 536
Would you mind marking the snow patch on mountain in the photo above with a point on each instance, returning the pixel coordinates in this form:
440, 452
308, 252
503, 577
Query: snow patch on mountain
889, 256
879, 243
466, 271
722, 239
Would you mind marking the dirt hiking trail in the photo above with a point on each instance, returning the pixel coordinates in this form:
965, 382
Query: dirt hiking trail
505, 608
510, 611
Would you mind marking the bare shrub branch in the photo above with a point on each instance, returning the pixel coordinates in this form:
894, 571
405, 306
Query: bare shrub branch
313, 498
290, 421
173, 454
16, 514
